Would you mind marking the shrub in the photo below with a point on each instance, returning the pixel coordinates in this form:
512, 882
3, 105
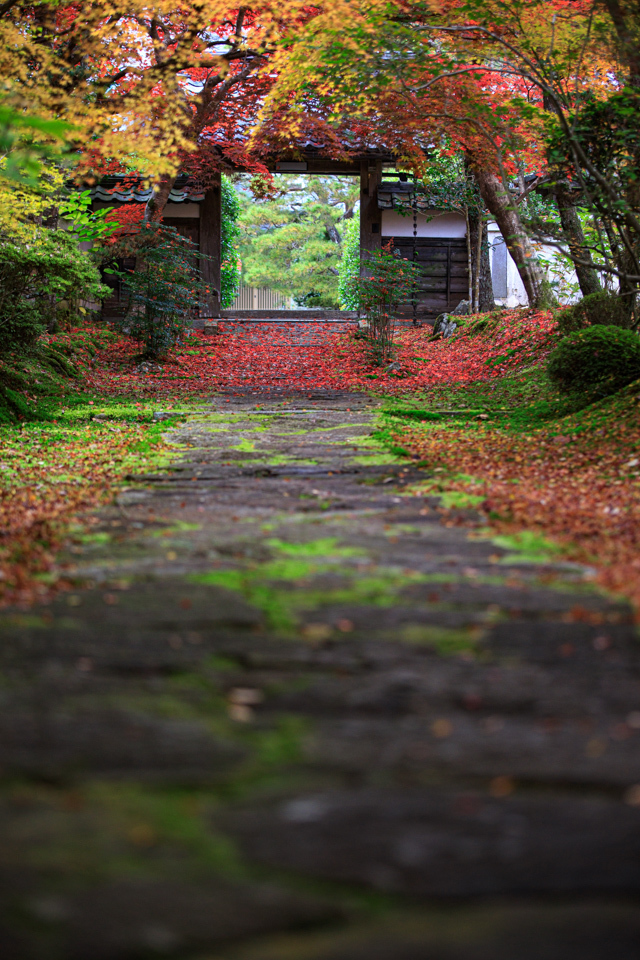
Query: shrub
230, 231
598, 360
163, 291
349, 268
39, 280
598, 308
390, 281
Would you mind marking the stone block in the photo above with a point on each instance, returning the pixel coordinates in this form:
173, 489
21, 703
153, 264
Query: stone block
430, 843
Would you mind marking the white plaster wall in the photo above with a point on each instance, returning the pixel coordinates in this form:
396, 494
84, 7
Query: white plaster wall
444, 224
516, 294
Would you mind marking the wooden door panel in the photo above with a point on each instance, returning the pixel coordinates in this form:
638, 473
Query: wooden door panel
444, 273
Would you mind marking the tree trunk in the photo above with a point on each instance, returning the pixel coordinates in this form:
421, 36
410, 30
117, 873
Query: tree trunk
158, 200
625, 19
332, 233
506, 215
482, 283
572, 228
467, 213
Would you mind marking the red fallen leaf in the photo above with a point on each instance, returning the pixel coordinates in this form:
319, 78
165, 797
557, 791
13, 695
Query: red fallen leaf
586, 500
313, 354
582, 494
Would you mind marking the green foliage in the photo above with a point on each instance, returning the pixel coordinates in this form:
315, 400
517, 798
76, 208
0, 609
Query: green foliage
292, 243
40, 282
349, 269
13, 405
87, 225
598, 308
598, 360
22, 145
607, 132
230, 266
448, 184
164, 290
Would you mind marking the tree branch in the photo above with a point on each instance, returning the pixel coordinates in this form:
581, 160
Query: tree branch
6, 6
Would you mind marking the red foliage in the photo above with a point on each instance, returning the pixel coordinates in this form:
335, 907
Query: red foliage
575, 481
129, 216
294, 355
316, 354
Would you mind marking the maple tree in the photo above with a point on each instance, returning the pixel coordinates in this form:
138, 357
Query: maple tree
164, 290
379, 65
385, 283
148, 88
515, 88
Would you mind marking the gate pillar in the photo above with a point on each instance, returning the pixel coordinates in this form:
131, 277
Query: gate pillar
210, 246
370, 215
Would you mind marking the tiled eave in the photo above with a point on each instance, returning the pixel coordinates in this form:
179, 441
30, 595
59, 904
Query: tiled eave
125, 190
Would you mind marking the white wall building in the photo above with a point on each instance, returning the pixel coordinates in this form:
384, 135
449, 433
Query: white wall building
508, 289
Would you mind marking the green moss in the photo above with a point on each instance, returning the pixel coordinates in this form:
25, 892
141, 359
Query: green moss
14, 407
283, 744
275, 460
460, 500
264, 587
431, 416
101, 537
245, 445
176, 527
323, 547
527, 547
220, 664
444, 640
375, 460
171, 821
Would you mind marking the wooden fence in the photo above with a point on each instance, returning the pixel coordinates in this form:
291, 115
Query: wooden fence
256, 298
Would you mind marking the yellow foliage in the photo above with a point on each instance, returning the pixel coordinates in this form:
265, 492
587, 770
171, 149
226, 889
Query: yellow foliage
131, 79
24, 206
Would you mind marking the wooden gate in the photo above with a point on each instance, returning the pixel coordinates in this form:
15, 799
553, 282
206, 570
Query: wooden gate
444, 274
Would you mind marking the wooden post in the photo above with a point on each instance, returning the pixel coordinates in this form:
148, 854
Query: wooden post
210, 246
370, 216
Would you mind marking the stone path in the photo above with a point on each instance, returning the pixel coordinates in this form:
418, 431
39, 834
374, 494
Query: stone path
294, 716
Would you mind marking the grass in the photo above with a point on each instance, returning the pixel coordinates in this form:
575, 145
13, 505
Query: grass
323, 547
521, 401
527, 546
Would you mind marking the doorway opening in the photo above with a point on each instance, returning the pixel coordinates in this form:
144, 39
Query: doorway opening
298, 243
